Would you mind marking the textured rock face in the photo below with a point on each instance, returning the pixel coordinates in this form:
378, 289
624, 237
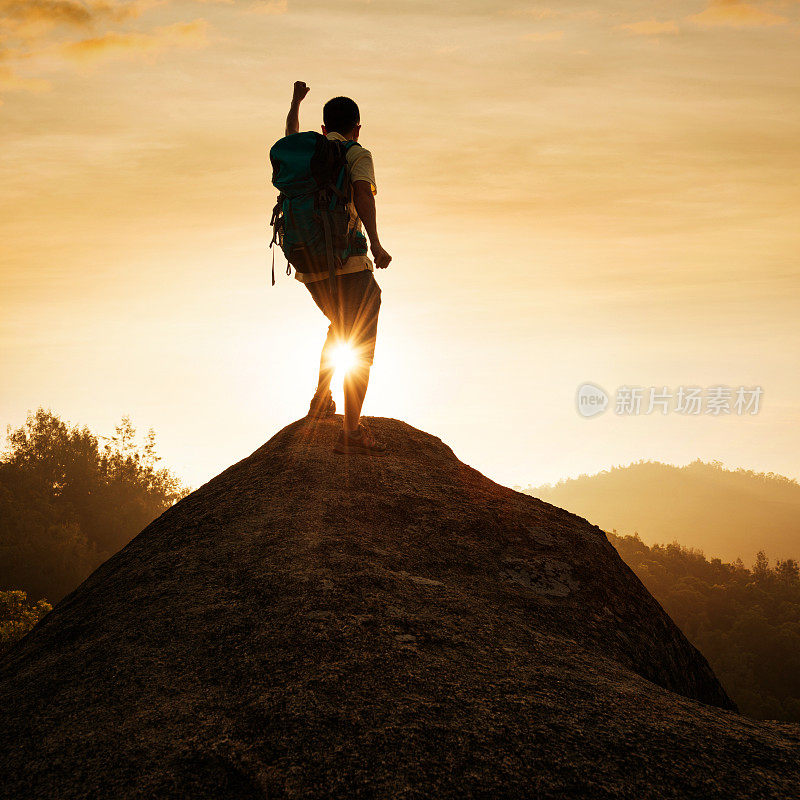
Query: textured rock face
308, 625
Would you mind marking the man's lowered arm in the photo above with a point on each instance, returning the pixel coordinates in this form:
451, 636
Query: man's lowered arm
365, 207
293, 117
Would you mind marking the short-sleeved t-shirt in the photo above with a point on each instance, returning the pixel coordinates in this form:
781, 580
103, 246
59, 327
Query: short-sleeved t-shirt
359, 160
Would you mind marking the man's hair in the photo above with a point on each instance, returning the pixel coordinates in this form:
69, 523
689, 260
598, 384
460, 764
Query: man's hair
340, 114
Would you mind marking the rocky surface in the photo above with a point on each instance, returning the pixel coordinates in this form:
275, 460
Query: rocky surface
310, 625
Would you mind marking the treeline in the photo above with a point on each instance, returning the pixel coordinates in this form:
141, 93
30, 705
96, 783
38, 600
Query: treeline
68, 501
746, 622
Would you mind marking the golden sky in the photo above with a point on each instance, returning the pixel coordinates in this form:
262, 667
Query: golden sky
602, 192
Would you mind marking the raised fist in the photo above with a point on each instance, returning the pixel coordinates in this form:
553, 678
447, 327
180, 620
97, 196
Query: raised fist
300, 90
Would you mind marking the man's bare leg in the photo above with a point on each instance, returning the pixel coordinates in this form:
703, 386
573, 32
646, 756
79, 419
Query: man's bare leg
356, 438
322, 404
326, 365
355, 389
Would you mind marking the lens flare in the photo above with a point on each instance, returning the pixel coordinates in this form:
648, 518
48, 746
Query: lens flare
344, 358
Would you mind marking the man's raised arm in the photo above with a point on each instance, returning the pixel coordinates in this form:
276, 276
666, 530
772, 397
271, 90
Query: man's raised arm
293, 117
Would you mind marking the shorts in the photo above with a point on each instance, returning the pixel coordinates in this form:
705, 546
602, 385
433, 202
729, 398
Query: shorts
352, 311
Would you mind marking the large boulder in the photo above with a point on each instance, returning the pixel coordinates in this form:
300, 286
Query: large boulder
313, 625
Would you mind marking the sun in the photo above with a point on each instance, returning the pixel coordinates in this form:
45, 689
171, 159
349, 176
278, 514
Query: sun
343, 358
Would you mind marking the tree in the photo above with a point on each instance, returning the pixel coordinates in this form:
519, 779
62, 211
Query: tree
67, 504
761, 566
788, 571
18, 615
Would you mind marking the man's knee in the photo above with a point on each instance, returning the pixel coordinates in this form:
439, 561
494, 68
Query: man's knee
363, 350
375, 299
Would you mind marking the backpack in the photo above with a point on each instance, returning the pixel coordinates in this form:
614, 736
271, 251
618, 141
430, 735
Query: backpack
311, 220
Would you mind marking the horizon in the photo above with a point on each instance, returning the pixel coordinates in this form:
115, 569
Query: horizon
141, 432
724, 467
593, 193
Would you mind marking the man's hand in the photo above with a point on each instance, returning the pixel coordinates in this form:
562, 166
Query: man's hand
300, 91
382, 258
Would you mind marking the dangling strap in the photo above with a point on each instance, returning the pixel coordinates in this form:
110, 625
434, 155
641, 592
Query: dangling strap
275, 223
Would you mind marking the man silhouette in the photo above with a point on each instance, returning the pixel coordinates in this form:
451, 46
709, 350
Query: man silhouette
352, 306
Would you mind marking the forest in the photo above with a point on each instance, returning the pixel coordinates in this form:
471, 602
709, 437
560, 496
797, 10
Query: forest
70, 499
745, 621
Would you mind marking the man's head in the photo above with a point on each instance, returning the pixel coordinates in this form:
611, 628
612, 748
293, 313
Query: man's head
341, 114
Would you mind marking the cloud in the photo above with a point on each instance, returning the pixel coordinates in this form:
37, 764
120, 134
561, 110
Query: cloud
11, 82
536, 12
650, 27
549, 36
63, 11
737, 14
40, 35
269, 7
131, 45
546, 12
72, 12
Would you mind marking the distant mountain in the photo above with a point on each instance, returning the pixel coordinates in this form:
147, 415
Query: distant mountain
727, 513
308, 625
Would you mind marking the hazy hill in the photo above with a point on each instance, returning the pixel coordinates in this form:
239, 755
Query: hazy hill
728, 514
310, 626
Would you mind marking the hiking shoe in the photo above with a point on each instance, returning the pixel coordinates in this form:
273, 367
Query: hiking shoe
322, 406
361, 443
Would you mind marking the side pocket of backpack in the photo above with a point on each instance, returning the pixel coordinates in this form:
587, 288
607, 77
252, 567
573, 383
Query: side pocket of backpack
340, 224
